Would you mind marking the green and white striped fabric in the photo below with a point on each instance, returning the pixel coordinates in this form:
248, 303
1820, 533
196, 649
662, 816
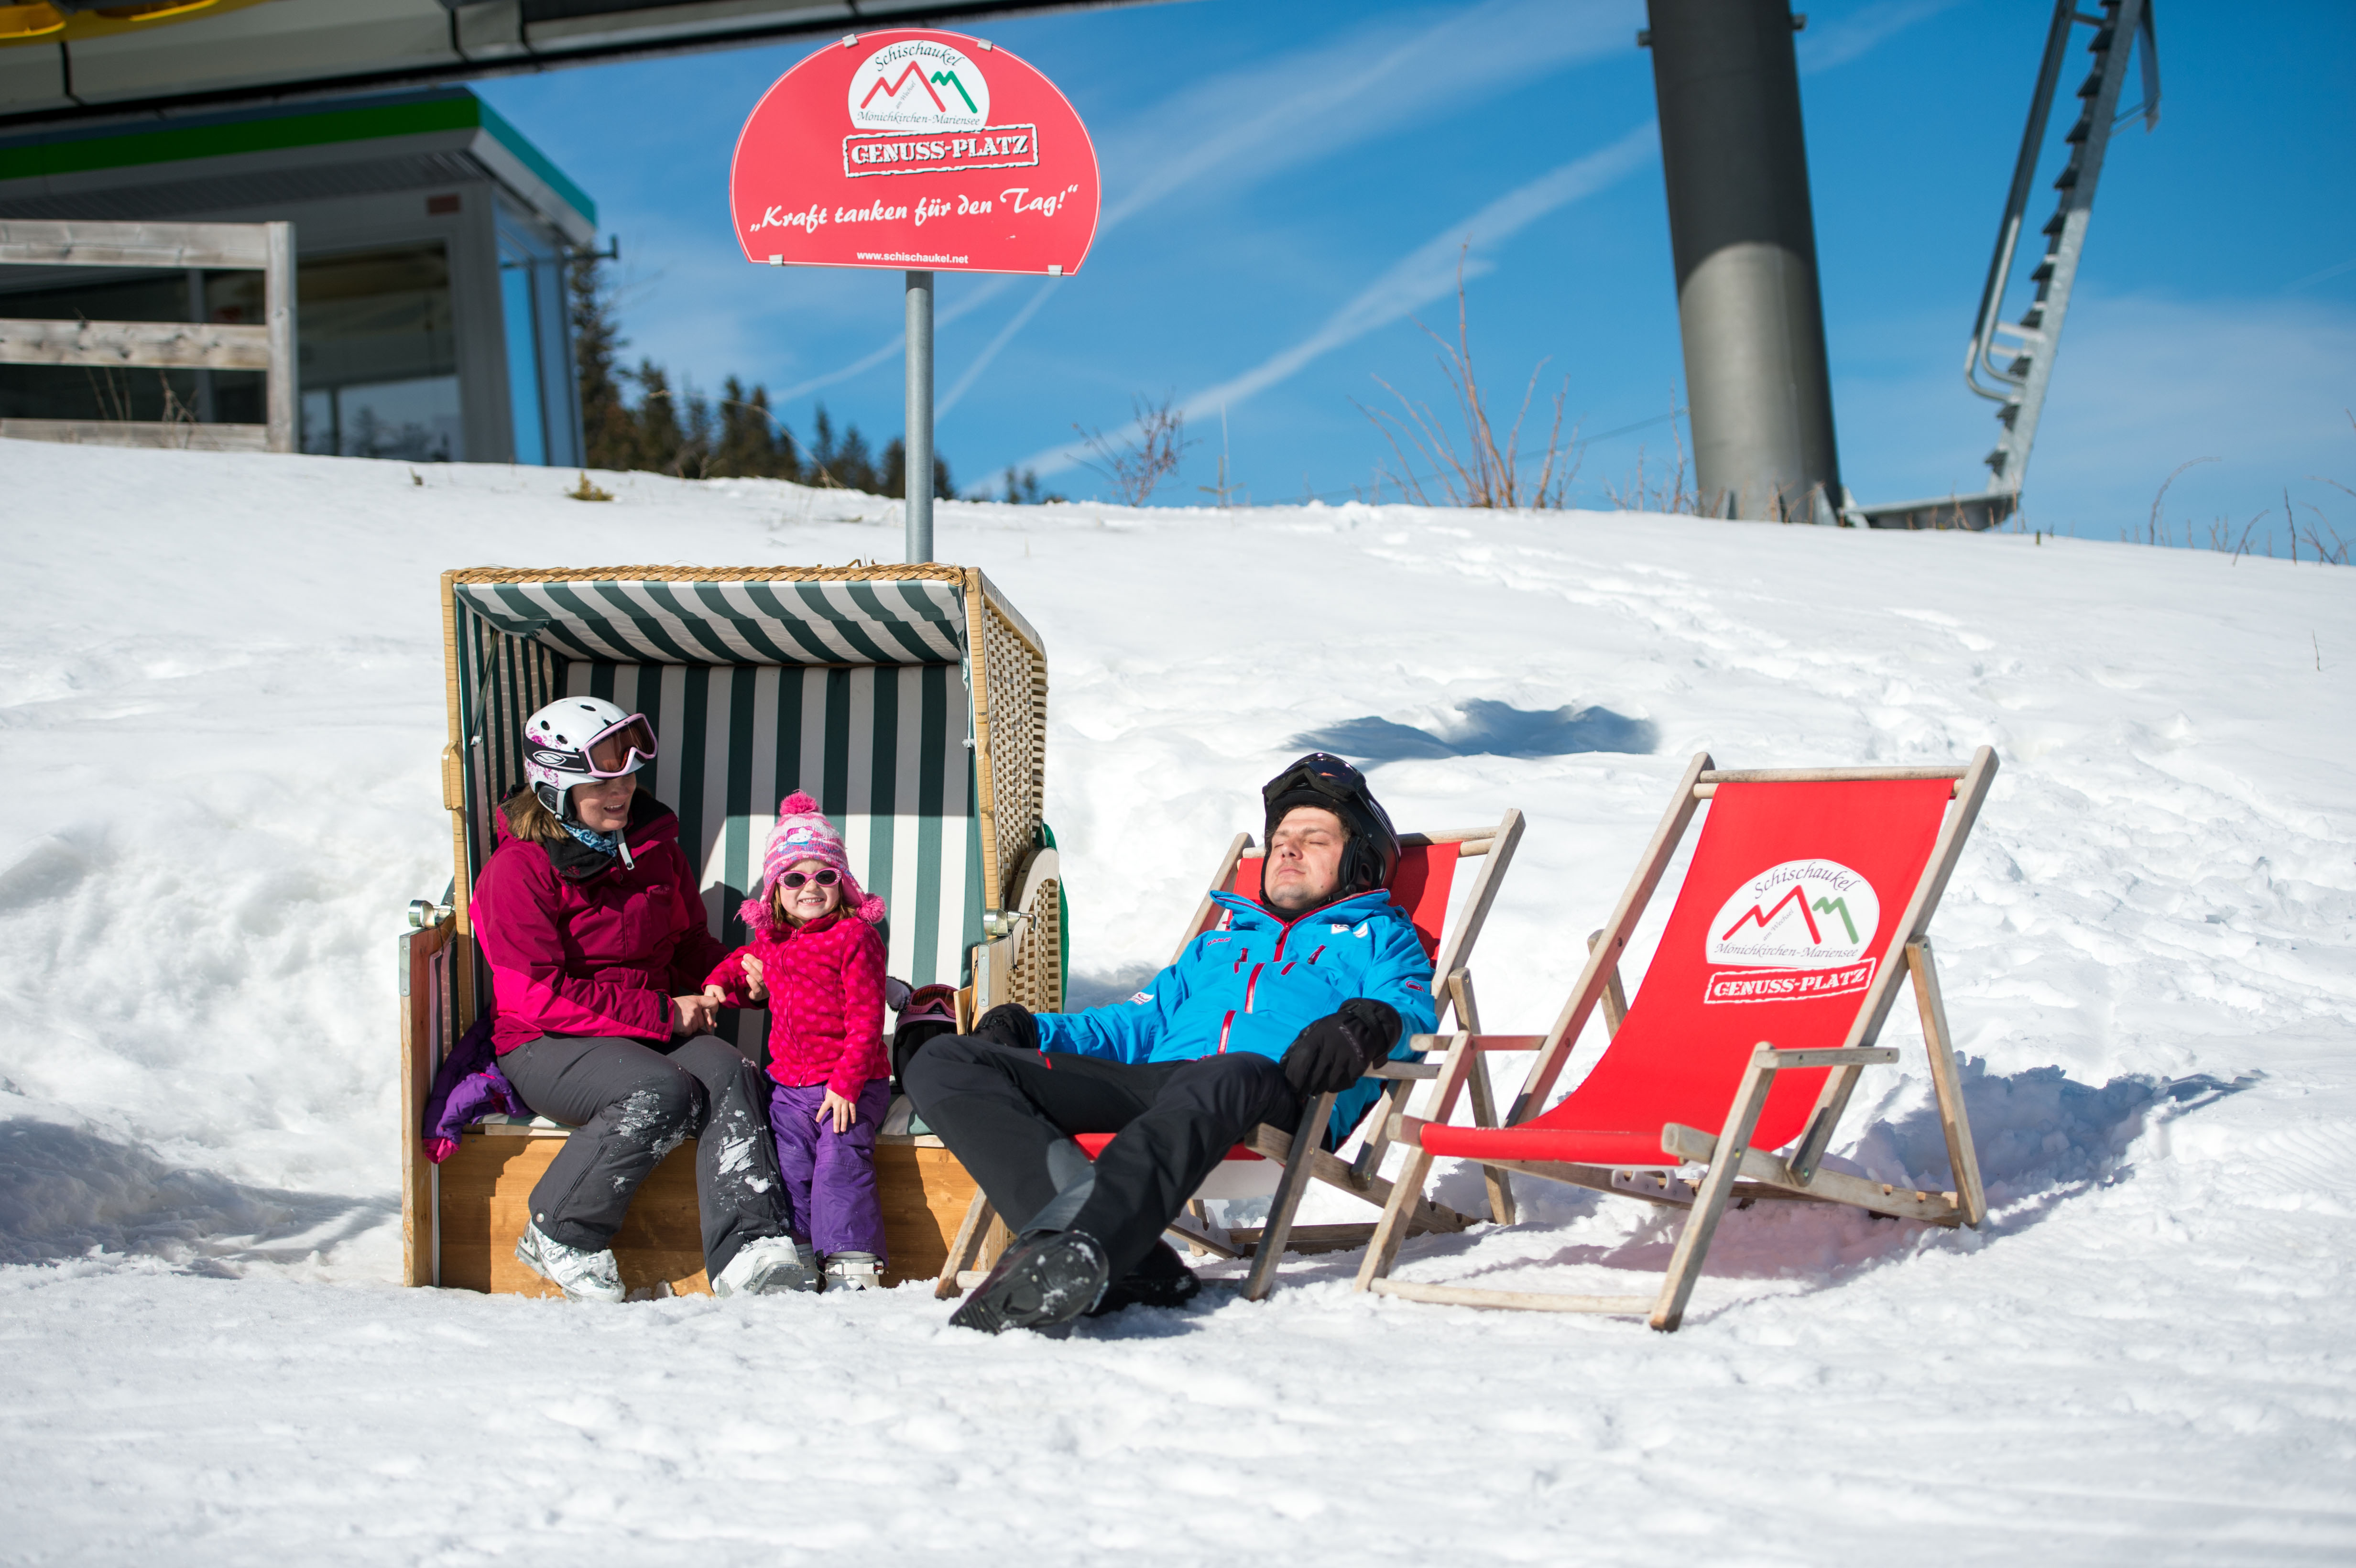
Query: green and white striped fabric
882, 748
721, 622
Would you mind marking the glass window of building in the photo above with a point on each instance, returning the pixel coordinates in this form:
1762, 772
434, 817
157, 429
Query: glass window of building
380, 356
518, 309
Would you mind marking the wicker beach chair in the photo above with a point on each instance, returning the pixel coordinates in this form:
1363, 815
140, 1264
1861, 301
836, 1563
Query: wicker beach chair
911, 701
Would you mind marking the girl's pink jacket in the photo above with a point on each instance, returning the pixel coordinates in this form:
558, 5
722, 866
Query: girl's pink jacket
825, 1002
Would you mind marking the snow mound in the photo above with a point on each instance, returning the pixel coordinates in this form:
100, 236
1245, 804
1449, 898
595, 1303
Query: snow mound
221, 695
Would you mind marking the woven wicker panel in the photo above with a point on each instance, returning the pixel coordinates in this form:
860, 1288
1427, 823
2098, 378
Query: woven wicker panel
1018, 741
1038, 979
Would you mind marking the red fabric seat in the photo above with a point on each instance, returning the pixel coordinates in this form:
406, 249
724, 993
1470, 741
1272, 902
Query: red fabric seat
1681, 1051
1572, 1145
1095, 1145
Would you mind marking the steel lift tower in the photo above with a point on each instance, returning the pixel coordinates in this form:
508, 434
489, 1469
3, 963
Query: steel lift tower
1748, 307
2011, 364
1744, 239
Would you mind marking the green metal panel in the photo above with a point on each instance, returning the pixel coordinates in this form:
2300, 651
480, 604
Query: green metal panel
412, 114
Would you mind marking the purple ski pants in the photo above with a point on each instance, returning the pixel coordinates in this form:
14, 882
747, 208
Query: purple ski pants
830, 1199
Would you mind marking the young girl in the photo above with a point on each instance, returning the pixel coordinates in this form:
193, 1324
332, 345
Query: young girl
818, 961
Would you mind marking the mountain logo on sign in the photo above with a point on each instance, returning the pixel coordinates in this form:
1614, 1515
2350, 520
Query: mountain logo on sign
918, 85
916, 72
1802, 914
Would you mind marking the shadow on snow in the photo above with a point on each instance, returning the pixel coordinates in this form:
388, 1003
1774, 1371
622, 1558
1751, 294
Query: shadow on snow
1487, 728
2043, 1139
65, 1191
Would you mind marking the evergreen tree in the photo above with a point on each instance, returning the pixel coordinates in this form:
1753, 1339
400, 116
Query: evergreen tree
608, 429
844, 464
698, 437
896, 472
665, 431
1023, 492
754, 444
659, 437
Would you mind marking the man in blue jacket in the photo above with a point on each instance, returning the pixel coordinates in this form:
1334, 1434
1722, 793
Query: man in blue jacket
1291, 996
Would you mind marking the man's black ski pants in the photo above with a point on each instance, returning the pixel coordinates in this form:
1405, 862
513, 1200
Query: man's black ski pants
1009, 1116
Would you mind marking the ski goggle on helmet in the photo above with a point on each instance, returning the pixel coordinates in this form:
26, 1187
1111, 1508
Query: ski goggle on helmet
1321, 779
581, 740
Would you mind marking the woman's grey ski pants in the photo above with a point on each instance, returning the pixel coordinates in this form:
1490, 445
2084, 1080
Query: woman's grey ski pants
630, 1104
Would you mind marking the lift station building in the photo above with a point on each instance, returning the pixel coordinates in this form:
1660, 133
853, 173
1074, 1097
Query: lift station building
432, 242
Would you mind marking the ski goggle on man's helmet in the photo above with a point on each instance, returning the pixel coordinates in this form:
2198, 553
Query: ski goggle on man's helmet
1321, 779
580, 739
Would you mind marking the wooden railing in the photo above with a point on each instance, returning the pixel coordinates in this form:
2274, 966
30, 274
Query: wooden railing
266, 248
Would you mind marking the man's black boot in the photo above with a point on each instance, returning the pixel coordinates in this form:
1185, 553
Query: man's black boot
1163, 1279
1046, 1281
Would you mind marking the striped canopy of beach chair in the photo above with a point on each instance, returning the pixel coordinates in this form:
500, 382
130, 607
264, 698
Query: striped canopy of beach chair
909, 701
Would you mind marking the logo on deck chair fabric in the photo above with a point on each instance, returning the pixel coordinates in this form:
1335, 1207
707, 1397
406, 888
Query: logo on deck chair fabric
919, 84
1800, 929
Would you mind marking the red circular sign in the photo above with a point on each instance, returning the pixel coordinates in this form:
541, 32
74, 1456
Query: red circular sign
914, 149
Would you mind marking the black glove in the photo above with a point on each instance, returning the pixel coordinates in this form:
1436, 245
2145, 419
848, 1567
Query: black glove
1010, 1024
1335, 1052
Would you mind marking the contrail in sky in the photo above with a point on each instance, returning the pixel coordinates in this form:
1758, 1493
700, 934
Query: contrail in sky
1360, 86
1858, 33
1363, 84
1426, 273
981, 294
981, 361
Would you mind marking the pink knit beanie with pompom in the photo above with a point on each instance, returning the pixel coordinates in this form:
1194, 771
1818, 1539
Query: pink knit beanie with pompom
803, 833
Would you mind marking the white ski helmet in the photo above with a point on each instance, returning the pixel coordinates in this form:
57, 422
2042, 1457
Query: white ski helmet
580, 739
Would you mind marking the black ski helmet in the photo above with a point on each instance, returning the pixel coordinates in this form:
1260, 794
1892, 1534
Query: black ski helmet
1323, 780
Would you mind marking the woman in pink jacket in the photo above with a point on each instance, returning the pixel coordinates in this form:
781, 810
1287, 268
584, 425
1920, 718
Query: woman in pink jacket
589, 918
816, 959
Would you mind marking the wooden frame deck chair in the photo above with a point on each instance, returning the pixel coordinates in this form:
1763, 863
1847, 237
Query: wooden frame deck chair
1807, 903
1422, 885
911, 701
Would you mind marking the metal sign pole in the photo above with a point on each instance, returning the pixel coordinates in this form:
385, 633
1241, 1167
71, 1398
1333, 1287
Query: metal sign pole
917, 473
801, 194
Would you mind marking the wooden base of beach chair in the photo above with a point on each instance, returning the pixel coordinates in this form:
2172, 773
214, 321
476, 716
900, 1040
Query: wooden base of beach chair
982, 1236
1734, 1172
1307, 1240
483, 1202
1729, 1159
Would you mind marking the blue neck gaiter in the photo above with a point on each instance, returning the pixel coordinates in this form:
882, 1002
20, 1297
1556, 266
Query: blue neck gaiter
604, 843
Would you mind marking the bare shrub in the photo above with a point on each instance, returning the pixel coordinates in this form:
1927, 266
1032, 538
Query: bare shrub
2336, 552
2324, 542
1147, 455
1223, 494
2155, 530
1480, 471
1659, 492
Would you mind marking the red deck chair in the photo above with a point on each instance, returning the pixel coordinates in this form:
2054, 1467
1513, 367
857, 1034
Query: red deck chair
1805, 906
1422, 885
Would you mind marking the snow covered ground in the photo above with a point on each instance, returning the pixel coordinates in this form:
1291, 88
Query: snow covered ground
220, 695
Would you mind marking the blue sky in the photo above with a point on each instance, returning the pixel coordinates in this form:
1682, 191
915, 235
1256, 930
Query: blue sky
1287, 185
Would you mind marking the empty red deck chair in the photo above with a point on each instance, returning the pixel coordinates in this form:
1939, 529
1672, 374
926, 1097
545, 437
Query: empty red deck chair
1805, 906
1422, 885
